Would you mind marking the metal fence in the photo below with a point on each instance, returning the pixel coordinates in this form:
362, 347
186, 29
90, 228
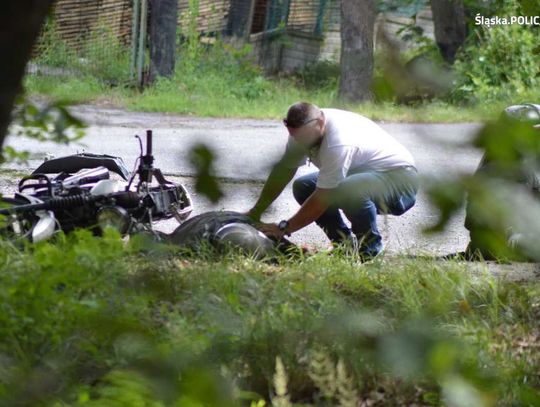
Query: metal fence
76, 20
109, 24
312, 28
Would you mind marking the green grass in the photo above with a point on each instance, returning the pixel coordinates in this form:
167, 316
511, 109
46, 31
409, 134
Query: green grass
73, 90
223, 82
213, 99
207, 100
100, 322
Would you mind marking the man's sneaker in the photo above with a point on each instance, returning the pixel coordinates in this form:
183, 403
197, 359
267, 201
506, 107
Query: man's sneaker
366, 256
350, 247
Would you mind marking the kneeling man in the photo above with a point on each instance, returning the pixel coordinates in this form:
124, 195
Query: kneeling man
363, 171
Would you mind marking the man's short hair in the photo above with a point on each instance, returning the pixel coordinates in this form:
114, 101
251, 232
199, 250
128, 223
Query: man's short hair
300, 114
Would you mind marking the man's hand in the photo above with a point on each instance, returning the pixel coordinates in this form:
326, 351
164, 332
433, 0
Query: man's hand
309, 212
271, 230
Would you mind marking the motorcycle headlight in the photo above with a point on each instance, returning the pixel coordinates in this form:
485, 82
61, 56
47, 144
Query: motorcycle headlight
114, 217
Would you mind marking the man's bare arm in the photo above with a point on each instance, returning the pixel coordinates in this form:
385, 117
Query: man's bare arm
310, 210
278, 179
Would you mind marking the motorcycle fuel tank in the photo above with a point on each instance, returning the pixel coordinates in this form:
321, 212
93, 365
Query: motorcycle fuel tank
107, 187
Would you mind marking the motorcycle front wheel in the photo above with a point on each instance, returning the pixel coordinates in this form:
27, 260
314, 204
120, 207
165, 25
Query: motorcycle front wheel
16, 227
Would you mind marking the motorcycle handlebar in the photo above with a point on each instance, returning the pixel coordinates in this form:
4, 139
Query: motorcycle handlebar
65, 202
148, 142
125, 199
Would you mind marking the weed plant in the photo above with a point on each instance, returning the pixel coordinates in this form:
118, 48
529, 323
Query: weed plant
98, 321
502, 62
88, 69
224, 82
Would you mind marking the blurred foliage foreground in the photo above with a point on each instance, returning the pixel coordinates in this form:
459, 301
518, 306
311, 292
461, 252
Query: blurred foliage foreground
101, 321
502, 198
98, 321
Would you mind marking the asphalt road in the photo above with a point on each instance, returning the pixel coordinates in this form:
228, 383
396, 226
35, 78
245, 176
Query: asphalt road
245, 150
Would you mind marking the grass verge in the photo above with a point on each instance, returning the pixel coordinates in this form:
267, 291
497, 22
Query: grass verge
223, 80
209, 101
88, 321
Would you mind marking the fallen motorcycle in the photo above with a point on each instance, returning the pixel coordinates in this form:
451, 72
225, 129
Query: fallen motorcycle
223, 231
92, 191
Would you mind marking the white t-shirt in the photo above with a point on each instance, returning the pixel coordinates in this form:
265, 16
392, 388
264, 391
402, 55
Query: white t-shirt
351, 141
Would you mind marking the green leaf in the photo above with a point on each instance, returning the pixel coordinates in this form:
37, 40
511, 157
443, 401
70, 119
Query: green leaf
207, 184
448, 197
52, 122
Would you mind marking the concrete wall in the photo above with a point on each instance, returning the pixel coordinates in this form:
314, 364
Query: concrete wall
299, 50
390, 23
294, 49
267, 49
285, 51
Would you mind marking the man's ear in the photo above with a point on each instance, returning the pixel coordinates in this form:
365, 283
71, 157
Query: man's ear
321, 120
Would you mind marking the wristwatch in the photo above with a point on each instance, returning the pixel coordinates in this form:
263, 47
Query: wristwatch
283, 226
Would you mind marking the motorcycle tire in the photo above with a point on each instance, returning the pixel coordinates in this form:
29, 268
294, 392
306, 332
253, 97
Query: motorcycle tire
222, 229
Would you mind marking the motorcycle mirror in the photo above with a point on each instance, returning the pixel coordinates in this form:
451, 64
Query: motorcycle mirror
140, 143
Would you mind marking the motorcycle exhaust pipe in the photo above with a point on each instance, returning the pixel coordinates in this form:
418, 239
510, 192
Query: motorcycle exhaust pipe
88, 176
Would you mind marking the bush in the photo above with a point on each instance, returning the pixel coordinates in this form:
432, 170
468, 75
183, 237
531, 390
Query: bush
319, 75
88, 321
502, 63
101, 56
105, 57
236, 68
52, 50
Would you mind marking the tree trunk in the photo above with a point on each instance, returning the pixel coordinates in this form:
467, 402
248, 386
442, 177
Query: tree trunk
163, 22
450, 26
357, 26
20, 26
